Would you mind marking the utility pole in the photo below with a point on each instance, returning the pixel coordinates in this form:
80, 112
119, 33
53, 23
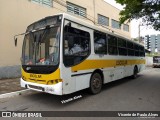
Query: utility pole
139, 32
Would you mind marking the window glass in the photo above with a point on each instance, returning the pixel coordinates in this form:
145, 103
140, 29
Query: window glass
100, 43
141, 51
130, 45
112, 45
102, 20
126, 27
131, 52
122, 46
75, 9
136, 53
76, 45
121, 42
44, 2
116, 24
112, 40
122, 51
137, 47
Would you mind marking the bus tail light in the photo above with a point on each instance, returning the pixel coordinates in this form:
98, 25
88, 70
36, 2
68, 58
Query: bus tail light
52, 82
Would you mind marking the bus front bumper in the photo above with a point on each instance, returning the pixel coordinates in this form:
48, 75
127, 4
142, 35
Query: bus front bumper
55, 89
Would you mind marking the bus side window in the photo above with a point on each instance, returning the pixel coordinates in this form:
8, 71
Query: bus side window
131, 47
136, 50
100, 43
112, 45
122, 50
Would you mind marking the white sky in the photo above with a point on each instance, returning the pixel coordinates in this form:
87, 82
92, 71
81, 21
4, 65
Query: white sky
134, 24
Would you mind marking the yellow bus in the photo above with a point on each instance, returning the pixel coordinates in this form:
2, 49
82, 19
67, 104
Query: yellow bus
62, 54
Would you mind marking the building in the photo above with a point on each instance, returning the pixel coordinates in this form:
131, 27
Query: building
152, 43
16, 15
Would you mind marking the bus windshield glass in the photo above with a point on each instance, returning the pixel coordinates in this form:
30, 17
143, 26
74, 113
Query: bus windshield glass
41, 47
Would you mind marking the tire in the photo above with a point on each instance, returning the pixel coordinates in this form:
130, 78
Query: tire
95, 83
135, 73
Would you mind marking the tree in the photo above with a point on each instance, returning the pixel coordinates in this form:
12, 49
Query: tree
148, 10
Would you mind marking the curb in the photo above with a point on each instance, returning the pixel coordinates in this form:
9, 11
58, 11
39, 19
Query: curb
12, 94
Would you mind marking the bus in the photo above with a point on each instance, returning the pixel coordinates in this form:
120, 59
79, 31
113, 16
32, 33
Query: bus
156, 61
62, 54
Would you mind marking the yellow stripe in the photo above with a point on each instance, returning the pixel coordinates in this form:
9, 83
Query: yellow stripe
95, 64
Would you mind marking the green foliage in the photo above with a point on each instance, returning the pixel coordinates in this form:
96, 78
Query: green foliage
148, 10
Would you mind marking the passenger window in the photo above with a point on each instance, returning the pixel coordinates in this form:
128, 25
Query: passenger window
121, 42
122, 47
130, 46
100, 43
112, 45
141, 51
137, 47
76, 45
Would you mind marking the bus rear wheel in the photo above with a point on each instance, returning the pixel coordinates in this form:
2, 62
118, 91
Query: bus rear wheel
95, 83
135, 73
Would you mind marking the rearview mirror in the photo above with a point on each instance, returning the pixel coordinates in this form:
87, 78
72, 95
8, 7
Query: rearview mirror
15, 42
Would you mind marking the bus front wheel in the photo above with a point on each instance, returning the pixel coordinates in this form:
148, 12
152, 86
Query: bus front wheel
95, 83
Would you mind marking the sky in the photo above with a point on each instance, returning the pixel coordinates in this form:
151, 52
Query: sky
144, 30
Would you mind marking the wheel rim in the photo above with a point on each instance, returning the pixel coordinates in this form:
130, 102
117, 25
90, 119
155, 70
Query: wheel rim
96, 83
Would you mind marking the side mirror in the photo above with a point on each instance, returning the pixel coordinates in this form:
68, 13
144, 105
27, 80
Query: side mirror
15, 42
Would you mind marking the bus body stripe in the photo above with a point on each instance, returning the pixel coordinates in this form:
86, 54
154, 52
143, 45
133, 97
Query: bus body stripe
95, 64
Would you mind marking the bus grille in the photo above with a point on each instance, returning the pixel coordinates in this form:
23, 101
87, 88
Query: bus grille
35, 87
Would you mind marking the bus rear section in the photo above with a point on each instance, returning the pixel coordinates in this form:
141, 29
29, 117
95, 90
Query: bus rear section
41, 57
156, 61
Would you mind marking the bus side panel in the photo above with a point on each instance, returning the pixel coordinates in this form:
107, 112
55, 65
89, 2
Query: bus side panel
141, 67
119, 72
107, 75
83, 82
128, 70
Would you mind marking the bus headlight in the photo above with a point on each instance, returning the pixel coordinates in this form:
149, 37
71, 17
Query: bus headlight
52, 82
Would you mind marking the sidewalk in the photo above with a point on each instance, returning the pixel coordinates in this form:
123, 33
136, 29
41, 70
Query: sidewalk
10, 85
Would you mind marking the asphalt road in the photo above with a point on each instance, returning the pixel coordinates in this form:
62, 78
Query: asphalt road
141, 94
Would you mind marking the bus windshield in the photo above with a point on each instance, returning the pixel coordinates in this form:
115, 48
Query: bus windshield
41, 47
